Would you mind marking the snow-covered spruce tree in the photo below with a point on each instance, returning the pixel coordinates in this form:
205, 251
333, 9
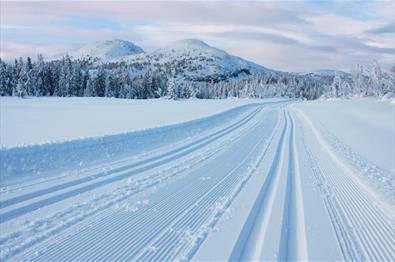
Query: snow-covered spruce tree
5, 79
39, 71
99, 82
123, 83
359, 81
156, 82
65, 77
76, 81
110, 85
375, 79
89, 91
85, 79
16, 70
31, 78
52, 78
336, 86
171, 88
21, 87
28, 77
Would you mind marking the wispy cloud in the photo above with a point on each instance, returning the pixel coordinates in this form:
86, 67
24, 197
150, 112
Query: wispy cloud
384, 29
289, 35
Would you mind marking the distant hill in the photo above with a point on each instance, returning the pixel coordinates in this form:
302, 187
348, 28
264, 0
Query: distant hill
107, 50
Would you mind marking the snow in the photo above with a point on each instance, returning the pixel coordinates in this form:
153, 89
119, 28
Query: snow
261, 180
107, 50
366, 125
330, 72
199, 59
48, 119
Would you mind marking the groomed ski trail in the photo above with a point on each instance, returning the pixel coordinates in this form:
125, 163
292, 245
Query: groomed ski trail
305, 201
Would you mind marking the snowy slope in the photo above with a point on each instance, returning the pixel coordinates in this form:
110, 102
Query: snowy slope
107, 50
330, 72
325, 73
269, 181
195, 60
48, 119
362, 118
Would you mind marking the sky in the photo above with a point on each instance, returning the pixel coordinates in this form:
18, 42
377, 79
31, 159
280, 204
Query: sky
284, 35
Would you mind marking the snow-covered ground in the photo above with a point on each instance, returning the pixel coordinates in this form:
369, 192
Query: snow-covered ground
366, 125
48, 119
268, 180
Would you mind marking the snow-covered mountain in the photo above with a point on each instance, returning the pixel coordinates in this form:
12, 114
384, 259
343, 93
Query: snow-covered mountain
193, 59
107, 50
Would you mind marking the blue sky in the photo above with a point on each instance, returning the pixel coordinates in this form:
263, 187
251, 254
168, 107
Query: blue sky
284, 35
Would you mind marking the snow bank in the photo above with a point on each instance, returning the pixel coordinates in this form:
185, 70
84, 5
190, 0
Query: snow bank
54, 119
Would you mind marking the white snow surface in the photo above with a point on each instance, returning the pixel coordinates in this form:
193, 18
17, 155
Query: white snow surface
263, 180
43, 120
106, 50
366, 125
197, 59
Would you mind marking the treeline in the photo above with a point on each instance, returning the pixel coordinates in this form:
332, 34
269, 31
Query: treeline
368, 80
68, 77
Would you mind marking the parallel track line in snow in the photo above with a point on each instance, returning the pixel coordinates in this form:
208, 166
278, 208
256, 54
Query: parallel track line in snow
207, 154
24, 197
284, 246
293, 243
147, 224
136, 245
367, 230
107, 205
252, 235
346, 242
298, 237
34, 206
346, 168
199, 215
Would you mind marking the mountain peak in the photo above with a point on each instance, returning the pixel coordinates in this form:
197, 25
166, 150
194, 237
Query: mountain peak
107, 50
192, 42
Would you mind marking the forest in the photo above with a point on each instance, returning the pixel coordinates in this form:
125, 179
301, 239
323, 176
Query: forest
69, 77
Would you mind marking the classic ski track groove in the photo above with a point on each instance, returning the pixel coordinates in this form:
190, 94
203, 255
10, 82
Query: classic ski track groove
113, 201
126, 172
188, 205
200, 214
21, 198
139, 224
201, 160
248, 245
367, 233
97, 169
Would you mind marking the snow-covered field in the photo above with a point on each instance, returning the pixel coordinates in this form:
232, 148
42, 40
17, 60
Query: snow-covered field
48, 119
244, 180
